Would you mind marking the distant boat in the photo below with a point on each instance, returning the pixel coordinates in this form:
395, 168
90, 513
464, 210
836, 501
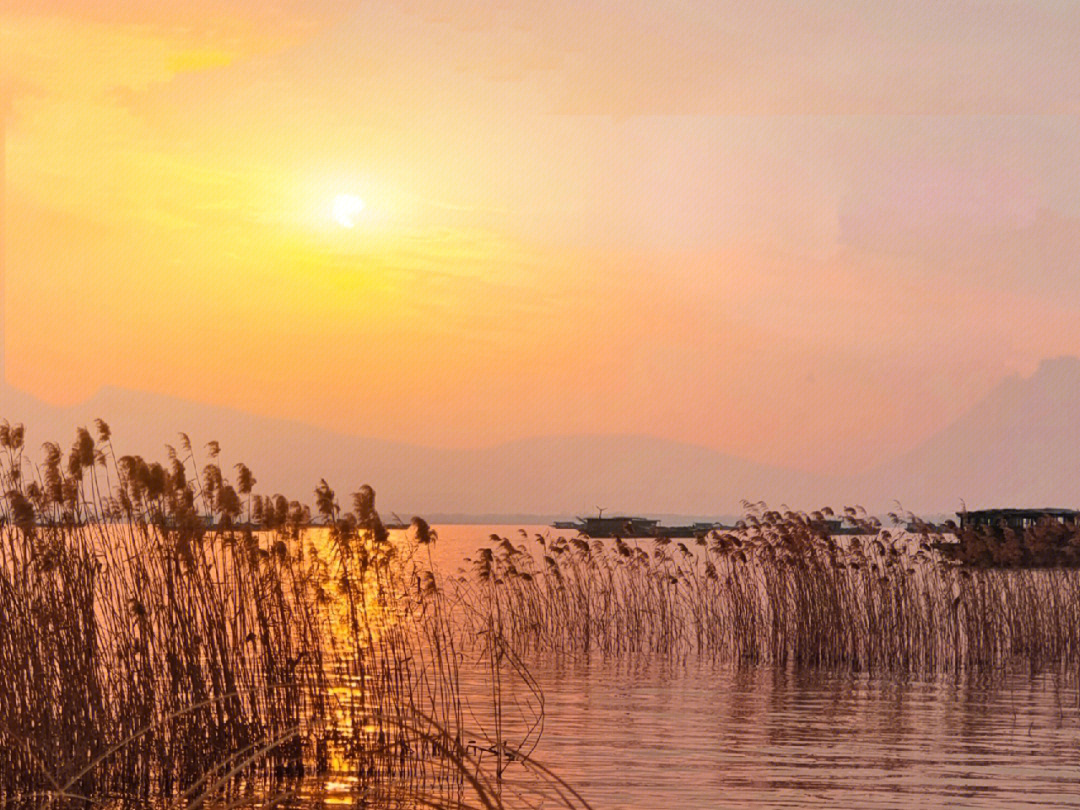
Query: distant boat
1017, 519
633, 526
1042, 538
835, 527
691, 530
617, 526
620, 526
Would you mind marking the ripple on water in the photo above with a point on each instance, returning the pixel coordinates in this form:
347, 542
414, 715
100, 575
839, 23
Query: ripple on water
701, 736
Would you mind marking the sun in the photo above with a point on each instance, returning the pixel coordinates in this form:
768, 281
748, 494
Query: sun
346, 209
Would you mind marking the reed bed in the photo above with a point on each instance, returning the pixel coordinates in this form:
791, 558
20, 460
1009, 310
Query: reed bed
169, 635
781, 590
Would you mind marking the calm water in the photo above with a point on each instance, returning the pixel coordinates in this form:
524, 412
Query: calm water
690, 736
660, 734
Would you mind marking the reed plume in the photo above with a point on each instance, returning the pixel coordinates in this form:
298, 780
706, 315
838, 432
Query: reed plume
782, 589
168, 633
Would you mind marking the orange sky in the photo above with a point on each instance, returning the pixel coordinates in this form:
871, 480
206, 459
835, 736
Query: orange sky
802, 233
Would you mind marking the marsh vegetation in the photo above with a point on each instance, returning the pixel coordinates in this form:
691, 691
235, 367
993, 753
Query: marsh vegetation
170, 635
782, 590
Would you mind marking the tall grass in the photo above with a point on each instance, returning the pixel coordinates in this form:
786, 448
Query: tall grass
165, 632
779, 590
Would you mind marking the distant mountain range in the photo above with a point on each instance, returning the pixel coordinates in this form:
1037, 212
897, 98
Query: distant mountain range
1019, 446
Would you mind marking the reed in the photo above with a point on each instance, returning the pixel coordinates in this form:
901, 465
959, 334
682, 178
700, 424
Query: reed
781, 590
167, 633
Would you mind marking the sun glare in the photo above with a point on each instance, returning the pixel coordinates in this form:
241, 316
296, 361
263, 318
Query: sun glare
346, 209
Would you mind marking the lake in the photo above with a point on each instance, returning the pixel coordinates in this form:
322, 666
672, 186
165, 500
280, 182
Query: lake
644, 734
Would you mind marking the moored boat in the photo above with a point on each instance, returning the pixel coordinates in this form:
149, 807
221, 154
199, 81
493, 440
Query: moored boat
634, 526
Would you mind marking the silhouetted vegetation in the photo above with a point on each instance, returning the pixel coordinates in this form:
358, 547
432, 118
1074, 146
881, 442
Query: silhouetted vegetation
780, 590
168, 633
1046, 543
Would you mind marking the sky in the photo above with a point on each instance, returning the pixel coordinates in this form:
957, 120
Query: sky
806, 234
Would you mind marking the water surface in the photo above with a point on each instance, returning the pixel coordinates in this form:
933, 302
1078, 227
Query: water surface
648, 734
691, 735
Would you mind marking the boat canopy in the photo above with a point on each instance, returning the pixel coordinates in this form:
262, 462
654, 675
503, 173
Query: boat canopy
1016, 518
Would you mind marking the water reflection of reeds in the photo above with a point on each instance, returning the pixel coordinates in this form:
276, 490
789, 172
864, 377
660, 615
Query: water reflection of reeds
166, 633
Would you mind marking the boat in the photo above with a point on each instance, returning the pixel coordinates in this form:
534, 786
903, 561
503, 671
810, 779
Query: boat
1017, 519
634, 526
614, 526
699, 529
620, 526
1030, 538
843, 526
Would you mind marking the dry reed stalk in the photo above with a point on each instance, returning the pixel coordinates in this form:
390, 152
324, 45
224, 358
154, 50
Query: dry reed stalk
166, 632
781, 590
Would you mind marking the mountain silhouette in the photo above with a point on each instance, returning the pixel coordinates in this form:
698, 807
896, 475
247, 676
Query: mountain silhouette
1018, 446
543, 476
